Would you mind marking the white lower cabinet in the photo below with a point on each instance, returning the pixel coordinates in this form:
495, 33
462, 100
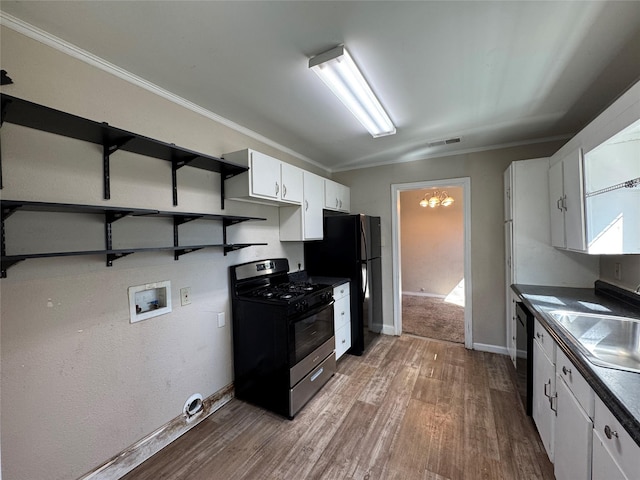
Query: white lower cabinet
544, 387
604, 467
572, 448
342, 318
615, 454
581, 436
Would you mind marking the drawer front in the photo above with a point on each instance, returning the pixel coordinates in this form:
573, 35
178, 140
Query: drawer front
624, 451
545, 340
340, 291
341, 313
576, 382
309, 385
343, 340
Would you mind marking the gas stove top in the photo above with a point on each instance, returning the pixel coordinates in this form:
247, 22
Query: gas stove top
287, 290
268, 281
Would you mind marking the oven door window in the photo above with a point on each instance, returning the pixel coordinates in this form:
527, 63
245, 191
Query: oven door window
309, 331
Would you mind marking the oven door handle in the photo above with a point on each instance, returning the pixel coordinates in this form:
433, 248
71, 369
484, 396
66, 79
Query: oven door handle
313, 311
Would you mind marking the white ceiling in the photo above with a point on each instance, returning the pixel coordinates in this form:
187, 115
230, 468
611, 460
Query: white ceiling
494, 73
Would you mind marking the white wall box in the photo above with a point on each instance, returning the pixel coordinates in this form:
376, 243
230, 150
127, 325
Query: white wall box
306, 221
337, 197
342, 318
149, 300
269, 180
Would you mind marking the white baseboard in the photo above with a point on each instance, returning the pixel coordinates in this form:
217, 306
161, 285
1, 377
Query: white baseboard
424, 294
388, 330
483, 347
131, 457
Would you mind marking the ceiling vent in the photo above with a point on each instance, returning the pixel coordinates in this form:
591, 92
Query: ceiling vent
448, 141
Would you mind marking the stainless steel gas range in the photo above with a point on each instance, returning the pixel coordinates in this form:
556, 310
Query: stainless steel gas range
283, 337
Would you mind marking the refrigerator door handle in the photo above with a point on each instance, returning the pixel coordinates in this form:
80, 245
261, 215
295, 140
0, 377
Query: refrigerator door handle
365, 274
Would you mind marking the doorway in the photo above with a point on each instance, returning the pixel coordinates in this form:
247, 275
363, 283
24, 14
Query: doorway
431, 264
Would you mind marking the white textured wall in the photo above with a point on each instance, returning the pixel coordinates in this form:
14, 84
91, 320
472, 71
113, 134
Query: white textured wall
432, 242
79, 382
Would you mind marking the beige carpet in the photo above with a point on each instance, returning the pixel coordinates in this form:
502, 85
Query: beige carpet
431, 317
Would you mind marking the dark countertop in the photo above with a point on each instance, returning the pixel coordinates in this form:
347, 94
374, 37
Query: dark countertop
618, 389
333, 281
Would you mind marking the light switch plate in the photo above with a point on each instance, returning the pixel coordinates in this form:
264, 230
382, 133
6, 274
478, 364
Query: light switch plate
221, 320
185, 296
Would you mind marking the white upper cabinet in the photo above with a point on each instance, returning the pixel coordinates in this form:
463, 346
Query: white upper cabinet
612, 193
268, 180
599, 202
566, 205
337, 197
304, 222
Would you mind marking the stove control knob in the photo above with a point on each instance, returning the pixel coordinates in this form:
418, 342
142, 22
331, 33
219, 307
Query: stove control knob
301, 305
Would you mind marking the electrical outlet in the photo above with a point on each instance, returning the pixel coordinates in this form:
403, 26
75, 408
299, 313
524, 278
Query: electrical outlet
221, 320
617, 272
185, 296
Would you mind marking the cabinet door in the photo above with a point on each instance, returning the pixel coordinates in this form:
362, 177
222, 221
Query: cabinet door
291, 183
312, 207
556, 209
603, 466
331, 200
573, 201
344, 198
573, 436
544, 379
265, 176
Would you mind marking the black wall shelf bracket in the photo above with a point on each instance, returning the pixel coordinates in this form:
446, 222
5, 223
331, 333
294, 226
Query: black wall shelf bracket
109, 147
175, 165
185, 250
177, 221
6, 264
111, 216
115, 256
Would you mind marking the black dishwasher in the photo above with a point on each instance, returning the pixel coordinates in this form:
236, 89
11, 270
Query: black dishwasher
524, 355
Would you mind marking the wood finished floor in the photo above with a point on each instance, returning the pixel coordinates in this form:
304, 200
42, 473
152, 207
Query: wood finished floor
410, 408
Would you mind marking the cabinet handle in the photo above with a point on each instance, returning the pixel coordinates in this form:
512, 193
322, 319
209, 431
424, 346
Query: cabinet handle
566, 371
344, 340
340, 203
610, 433
551, 403
306, 205
284, 190
277, 188
564, 203
547, 384
341, 313
336, 203
538, 335
558, 204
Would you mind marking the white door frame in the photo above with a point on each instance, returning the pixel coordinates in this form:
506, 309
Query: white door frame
465, 183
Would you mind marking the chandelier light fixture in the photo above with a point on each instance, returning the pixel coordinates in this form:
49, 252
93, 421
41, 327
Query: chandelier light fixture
339, 72
437, 198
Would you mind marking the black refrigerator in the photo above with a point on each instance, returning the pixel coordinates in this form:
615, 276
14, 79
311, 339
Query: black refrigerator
351, 248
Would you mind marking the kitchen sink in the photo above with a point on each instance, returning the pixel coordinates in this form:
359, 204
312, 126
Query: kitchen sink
605, 340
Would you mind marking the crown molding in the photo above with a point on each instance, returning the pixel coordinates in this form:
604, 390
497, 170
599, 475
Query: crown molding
78, 53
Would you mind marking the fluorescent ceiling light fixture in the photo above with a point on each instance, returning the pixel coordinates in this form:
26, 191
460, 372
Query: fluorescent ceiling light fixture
338, 71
